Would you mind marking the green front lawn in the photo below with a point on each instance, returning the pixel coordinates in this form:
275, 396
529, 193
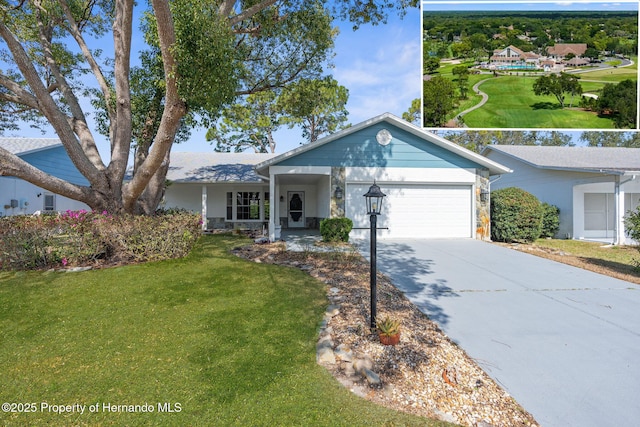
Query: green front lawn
218, 340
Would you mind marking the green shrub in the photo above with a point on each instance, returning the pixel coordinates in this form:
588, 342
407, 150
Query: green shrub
550, 220
82, 238
335, 229
516, 215
632, 225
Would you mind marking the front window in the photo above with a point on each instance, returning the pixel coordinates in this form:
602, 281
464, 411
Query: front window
247, 206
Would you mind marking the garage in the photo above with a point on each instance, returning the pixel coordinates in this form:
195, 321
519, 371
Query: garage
434, 188
418, 210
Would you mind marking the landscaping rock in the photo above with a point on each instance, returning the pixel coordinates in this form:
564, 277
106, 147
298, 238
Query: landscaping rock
372, 377
362, 364
333, 310
325, 356
344, 353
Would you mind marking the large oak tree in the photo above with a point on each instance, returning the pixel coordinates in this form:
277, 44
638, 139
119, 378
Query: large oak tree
199, 56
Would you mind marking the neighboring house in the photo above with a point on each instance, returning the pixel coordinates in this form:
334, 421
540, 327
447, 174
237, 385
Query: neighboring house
594, 187
19, 197
434, 187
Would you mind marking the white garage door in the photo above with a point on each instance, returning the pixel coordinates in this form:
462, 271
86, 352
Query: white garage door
420, 211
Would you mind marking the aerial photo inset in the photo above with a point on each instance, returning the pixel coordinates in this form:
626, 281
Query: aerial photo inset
529, 69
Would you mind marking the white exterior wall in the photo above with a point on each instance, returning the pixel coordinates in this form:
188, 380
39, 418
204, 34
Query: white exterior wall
190, 196
553, 187
411, 175
564, 189
323, 199
28, 200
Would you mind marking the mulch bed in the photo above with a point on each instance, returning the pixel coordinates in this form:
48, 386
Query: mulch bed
425, 374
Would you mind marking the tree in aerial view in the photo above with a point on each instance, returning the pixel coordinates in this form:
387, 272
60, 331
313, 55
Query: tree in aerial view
438, 100
430, 64
621, 102
197, 57
558, 86
462, 72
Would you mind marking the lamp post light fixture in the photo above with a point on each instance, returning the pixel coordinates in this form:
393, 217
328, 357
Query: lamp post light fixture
374, 206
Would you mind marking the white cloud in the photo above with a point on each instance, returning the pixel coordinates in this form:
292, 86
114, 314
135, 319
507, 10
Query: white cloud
381, 68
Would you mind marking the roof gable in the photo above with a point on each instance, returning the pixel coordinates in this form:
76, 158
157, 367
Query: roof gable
584, 159
357, 146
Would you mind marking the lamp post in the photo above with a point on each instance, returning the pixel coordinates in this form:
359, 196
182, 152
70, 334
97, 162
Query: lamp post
374, 205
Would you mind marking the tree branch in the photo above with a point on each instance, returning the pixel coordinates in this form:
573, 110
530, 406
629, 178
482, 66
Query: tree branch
48, 107
121, 133
175, 108
88, 144
97, 72
12, 165
251, 11
20, 95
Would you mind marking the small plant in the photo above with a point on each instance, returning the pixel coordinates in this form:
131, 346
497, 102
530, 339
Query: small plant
388, 331
388, 326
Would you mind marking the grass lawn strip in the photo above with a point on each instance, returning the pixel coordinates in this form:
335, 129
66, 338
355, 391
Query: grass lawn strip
215, 339
615, 261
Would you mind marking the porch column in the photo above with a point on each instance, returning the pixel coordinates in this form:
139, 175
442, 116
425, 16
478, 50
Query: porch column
204, 207
274, 213
618, 226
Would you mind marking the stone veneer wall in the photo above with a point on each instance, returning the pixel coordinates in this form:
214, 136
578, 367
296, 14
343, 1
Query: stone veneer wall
483, 218
338, 178
219, 223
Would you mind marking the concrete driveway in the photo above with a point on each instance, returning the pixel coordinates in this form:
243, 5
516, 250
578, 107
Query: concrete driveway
564, 342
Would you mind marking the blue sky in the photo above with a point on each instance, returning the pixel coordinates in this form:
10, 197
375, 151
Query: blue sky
380, 65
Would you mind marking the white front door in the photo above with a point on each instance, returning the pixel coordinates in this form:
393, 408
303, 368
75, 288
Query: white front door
295, 209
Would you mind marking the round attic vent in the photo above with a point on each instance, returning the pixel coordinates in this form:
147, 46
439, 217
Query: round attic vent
383, 137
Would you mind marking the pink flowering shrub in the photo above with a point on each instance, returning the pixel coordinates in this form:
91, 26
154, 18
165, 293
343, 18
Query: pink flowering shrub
82, 237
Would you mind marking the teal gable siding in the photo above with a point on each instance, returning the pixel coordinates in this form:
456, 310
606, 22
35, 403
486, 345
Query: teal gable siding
56, 162
360, 149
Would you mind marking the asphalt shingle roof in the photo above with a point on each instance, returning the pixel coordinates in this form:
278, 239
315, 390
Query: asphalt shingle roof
215, 167
575, 158
21, 146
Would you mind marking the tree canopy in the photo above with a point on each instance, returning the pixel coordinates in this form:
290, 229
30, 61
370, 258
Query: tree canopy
198, 57
558, 86
438, 100
477, 140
